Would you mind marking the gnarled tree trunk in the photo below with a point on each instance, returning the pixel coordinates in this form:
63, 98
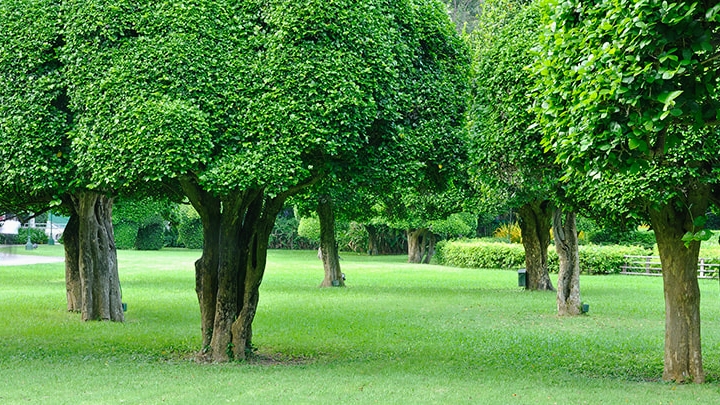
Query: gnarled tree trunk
566, 246
73, 285
683, 354
328, 245
535, 224
236, 229
206, 267
100, 284
417, 244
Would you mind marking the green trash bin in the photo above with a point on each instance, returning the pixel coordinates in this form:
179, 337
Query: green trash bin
522, 278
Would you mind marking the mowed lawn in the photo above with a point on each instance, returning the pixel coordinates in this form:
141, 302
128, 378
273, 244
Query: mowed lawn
399, 333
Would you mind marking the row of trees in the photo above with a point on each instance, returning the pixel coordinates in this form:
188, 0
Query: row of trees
359, 109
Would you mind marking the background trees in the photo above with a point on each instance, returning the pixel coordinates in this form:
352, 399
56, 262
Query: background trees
629, 91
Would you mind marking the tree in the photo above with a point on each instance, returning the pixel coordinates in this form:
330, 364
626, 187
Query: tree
36, 154
508, 162
247, 103
628, 93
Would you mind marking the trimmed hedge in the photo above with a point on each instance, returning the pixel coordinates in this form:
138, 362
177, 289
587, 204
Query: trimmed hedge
150, 237
596, 259
491, 255
125, 234
480, 255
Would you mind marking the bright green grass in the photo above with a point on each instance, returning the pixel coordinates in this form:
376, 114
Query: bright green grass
399, 333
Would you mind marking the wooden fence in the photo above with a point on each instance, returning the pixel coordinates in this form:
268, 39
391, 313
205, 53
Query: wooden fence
650, 266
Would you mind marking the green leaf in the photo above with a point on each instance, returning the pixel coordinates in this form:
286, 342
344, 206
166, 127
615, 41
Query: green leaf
635, 143
700, 221
668, 97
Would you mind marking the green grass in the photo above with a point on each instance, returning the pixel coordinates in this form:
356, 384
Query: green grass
399, 333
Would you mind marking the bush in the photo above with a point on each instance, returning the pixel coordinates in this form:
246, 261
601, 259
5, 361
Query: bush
509, 232
125, 234
189, 228
150, 237
309, 227
352, 237
480, 254
285, 233
595, 259
37, 236
644, 238
460, 225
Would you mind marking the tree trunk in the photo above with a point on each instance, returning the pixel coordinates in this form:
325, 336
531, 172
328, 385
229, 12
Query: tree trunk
100, 285
206, 267
73, 285
415, 244
236, 229
566, 246
683, 354
421, 245
535, 224
431, 239
372, 249
328, 244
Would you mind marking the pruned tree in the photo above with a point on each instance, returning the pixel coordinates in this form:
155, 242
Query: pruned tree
246, 104
628, 93
37, 154
509, 165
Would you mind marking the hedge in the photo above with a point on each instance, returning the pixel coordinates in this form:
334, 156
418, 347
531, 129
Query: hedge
491, 255
150, 237
37, 236
125, 234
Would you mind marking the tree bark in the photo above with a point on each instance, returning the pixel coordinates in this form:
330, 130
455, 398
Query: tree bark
100, 284
683, 354
431, 239
421, 245
415, 243
535, 224
206, 267
73, 285
566, 246
236, 228
328, 244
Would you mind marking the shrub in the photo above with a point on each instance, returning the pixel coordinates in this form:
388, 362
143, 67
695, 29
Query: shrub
150, 237
480, 254
285, 233
509, 232
189, 228
37, 236
125, 234
309, 227
643, 238
455, 226
352, 237
475, 254
595, 259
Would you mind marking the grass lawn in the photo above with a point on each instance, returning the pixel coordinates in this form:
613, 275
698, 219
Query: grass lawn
399, 333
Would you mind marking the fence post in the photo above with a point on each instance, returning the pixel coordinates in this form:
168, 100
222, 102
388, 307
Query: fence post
647, 264
702, 267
